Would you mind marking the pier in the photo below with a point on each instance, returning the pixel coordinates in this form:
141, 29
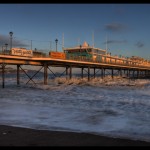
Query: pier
113, 67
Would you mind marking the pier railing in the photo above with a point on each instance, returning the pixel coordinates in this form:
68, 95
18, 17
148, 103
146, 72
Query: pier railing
107, 59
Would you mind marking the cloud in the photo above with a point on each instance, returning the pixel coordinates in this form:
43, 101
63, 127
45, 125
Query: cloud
115, 27
116, 41
139, 44
5, 39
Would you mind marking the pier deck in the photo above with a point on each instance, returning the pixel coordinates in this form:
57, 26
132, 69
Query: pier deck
69, 64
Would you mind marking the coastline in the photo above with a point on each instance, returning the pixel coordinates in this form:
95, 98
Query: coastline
18, 136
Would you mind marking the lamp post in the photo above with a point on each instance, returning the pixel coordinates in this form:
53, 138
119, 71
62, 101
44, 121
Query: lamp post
6, 47
10, 33
56, 44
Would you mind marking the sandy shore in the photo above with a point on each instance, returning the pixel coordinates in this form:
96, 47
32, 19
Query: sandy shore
16, 136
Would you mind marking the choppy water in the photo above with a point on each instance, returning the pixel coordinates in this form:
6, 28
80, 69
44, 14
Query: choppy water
117, 108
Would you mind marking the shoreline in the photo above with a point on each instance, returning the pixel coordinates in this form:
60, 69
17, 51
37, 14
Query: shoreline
18, 136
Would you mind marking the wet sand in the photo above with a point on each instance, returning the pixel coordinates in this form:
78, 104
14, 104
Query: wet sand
16, 136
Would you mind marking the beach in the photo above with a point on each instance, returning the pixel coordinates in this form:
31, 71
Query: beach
18, 136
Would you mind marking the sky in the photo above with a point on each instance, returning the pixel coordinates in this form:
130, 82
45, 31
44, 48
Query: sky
124, 27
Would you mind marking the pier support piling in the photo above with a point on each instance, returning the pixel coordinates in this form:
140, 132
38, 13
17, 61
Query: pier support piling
67, 73
94, 73
3, 75
88, 73
18, 75
70, 74
82, 72
112, 73
45, 74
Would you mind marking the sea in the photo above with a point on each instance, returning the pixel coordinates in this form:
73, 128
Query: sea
116, 107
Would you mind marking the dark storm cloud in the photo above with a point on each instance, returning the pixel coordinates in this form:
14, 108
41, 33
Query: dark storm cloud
115, 41
115, 27
139, 44
5, 39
